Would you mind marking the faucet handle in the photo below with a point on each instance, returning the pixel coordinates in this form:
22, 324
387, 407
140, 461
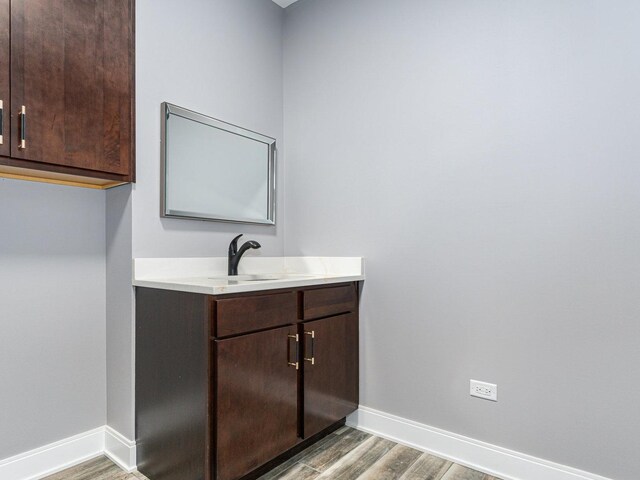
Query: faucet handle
233, 246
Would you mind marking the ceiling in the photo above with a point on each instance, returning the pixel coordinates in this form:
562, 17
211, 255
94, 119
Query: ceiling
285, 3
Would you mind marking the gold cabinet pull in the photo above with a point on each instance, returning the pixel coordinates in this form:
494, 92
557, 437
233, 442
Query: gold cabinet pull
23, 128
289, 362
312, 359
1, 122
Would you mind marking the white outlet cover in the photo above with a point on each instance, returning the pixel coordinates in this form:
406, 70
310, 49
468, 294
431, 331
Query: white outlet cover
488, 391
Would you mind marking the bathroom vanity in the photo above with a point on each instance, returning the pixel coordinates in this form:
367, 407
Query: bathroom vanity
234, 375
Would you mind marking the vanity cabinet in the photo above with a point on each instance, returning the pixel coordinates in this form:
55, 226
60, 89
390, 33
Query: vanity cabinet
66, 84
229, 385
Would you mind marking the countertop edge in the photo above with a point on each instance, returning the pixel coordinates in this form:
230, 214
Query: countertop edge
247, 286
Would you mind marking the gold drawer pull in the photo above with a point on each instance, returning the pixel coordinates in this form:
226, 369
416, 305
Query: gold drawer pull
312, 359
296, 363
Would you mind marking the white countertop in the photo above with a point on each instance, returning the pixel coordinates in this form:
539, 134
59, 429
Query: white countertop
209, 275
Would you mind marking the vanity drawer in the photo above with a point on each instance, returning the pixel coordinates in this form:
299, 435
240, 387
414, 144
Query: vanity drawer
238, 315
323, 302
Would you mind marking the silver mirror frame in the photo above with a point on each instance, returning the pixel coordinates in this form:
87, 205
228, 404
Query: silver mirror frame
170, 109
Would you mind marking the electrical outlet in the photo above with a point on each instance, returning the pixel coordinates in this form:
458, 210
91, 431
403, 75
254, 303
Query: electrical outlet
488, 391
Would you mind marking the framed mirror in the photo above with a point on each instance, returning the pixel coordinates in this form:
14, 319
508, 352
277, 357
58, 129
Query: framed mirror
213, 170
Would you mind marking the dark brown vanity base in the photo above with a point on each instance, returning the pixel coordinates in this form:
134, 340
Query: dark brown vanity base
229, 386
302, 444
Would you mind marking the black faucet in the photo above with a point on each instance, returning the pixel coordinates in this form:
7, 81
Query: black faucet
235, 255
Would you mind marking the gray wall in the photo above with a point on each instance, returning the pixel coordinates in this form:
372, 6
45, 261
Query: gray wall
120, 328
220, 58
483, 157
52, 313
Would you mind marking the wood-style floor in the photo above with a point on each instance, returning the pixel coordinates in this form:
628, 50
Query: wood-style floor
100, 468
346, 454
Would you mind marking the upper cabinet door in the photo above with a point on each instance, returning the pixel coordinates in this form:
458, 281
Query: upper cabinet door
5, 104
71, 75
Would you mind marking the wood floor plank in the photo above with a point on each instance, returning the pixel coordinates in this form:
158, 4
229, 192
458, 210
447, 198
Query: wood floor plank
311, 452
121, 475
324, 458
427, 467
458, 472
299, 472
359, 460
392, 465
100, 467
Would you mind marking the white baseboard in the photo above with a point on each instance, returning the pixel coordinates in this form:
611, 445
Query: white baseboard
53, 457
120, 449
68, 452
491, 459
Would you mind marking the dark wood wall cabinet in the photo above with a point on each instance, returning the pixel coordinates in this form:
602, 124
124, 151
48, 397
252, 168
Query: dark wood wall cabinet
228, 386
67, 91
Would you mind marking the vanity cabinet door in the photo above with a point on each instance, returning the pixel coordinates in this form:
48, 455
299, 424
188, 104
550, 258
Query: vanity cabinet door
330, 371
5, 107
256, 400
72, 70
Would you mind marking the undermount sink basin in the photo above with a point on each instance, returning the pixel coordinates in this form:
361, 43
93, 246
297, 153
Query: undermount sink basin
252, 278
